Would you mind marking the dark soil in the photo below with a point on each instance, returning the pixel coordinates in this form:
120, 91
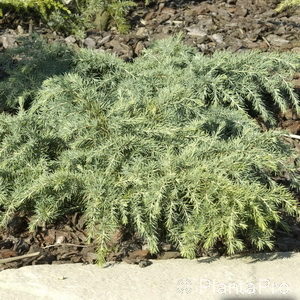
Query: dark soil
235, 25
67, 242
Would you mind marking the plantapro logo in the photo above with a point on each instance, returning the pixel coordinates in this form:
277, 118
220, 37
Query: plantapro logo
239, 289
184, 286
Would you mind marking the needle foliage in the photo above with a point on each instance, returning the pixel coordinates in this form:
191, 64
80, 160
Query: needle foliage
28, 66
164, 147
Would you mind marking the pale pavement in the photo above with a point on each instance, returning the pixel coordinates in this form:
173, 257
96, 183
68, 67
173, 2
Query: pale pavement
264, 276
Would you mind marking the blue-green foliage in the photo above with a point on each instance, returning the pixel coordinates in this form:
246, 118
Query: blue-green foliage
163, 147
28, 66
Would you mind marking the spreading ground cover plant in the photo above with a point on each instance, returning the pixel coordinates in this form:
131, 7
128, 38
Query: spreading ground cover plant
164, 147
258, 83
28, 66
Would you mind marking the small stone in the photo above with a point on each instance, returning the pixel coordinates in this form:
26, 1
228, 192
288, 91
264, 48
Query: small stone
139, 254
241, 11
218, 38
195, 31
104, 40
136, 256
119, 48
20, 30
178, 23
246, 43
206, 22
141, 31
144, 263
70, 39
60, 239
296, 50
90, 43
8, 41
145, 247
202, 47
276, 40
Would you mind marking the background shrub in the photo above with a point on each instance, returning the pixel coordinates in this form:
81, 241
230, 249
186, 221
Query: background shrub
287, 4
72, 16
42, 7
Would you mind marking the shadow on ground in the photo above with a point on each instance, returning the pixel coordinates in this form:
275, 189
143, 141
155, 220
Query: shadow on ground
24, 68
256, 257
259, 298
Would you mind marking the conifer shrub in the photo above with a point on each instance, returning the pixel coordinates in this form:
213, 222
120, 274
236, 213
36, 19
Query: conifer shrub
253, 82
27, 66
139, 146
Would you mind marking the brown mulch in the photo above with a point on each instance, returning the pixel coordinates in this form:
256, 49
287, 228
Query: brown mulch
66, 242
234, 25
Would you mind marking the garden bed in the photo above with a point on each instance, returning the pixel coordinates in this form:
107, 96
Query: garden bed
56, 136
